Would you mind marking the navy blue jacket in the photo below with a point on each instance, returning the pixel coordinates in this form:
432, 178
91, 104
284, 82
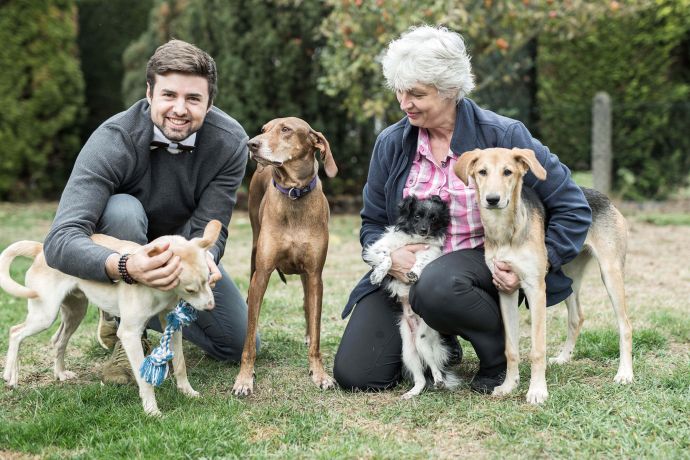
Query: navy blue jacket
568, 213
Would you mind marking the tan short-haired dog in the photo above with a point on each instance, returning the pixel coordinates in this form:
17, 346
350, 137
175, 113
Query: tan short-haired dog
513, 218
289, 215
50, 291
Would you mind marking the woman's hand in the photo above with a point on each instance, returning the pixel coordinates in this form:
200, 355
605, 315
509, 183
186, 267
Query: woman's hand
403, 259
504, 278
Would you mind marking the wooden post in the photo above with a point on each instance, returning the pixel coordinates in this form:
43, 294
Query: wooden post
602, 157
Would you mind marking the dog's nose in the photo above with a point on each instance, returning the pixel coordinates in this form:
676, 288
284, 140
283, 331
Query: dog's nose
211, 305
493, 199
253, 144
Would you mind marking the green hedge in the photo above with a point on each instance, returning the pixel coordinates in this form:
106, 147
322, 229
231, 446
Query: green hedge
41, 95
106, 28
637, 60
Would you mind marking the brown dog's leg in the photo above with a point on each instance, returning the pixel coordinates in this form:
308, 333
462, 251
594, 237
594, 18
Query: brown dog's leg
244, 382
307, 338
314, 297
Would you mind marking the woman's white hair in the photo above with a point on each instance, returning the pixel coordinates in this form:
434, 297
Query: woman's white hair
431, 56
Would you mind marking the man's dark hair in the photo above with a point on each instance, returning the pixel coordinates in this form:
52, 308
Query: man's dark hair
183, 57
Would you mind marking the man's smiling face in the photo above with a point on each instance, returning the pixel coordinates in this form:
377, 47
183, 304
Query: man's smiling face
179, 104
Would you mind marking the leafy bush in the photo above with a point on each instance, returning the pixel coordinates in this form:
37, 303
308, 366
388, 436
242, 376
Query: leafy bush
634, 58
41, 94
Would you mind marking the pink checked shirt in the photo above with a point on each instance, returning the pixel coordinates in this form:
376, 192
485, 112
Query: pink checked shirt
428, 178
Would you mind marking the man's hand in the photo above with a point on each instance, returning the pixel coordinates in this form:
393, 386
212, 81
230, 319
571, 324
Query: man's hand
504, 278
403, 259
214, 273
155, 265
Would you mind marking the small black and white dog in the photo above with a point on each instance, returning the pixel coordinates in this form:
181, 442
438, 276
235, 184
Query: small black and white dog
425, 222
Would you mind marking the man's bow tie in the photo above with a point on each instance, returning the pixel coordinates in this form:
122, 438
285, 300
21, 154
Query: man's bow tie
173, 147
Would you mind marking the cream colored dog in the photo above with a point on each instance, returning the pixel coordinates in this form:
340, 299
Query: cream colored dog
50, 290
513, 218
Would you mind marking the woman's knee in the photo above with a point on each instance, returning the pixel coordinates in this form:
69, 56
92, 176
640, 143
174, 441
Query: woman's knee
450, 297
124, 217
351, 375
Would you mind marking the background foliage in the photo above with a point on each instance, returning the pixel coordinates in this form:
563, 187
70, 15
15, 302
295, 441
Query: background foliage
267, 58
635, 59
41, 95
540, 61
106, 28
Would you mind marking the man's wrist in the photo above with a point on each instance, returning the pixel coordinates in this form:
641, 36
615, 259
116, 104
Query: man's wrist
111, 267
122, 270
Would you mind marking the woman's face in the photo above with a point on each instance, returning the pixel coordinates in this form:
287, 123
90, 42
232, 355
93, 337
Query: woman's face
425, 108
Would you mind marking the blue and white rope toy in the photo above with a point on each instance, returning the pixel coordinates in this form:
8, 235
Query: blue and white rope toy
154, 369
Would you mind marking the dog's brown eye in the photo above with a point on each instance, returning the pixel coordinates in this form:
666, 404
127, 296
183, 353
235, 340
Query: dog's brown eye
482, 172
507, 172
190, 290
285, 129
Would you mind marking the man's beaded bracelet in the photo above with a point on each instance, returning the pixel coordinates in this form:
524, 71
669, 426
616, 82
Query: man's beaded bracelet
122, 269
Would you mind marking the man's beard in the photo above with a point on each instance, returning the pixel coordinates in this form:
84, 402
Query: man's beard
174, 135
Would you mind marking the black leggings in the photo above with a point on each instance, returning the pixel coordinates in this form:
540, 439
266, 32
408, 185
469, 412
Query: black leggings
454, 295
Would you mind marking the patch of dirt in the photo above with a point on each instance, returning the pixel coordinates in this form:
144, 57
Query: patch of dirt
10, 455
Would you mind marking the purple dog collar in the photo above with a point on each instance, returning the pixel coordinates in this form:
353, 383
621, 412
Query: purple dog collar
295, 193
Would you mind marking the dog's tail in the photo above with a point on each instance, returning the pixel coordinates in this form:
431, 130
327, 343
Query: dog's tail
20, 248
450, 380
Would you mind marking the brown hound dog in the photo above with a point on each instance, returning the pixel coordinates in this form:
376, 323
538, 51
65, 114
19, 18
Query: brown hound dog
289, 217
513, 220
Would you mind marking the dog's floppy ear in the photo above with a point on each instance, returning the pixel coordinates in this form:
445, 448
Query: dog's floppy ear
464, 167
436, 199
528, 160
406, 206
320, 142
211, 233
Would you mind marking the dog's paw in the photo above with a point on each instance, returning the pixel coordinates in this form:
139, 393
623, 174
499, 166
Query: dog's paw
152, 410
415, 391
10, 378
409, 395
376, 278
65, 375
187, 390
562, 358
243, 386
505, 389
322, 380
537, 395
624, 376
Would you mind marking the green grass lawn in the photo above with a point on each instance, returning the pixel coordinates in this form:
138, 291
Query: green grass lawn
587, 415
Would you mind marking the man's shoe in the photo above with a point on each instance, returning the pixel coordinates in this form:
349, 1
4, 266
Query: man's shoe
454, 349
106, 332
117, 370
485, 382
